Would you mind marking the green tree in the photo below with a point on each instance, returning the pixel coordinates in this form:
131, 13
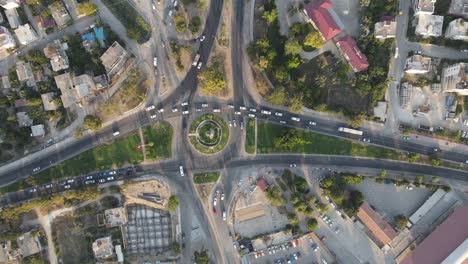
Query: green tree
435, 179
293, 219
211, 80
352, 179
195, 24
290, 139
413, 157
175, 248
270, 16
420, 178
322, 208
273, 195
86, 8
173, 203
327, 182
382, 173
201, 257
292, 47
278, 96
92, 122
36, 57
355, 121
295, 104
261, 63
313, 39
312, 224
401, 221
180, 23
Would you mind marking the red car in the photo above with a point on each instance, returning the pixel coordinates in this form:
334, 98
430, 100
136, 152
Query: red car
214, 210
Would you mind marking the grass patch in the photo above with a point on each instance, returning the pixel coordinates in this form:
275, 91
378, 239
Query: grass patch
158, 139
316, 144
206, 177
224, 134
250, 136
137, 28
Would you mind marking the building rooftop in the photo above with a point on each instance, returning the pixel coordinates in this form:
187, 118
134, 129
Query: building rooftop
102, 247
8, 4
459, 8
443, 241
101, 81
83, 85
44, 23
379, 228
426, 6
25, 34
57, 55
353, 55
24, 71
23, 119
455, 79
64, 83
6, 39
6, 84
115, 217
37, 130
48, 101
385, 29
114, 58
60, 14
324, 18
457, 29
12, 17
417, 64
429, 25
28, 244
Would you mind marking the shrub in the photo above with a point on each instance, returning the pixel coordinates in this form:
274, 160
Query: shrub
173, 203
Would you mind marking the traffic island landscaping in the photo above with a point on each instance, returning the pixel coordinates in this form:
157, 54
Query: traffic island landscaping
209, 134
250, 135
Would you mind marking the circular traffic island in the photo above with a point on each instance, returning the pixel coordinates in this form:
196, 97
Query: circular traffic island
208, 133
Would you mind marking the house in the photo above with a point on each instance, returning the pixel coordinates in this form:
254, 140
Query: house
417, 64
9, 4
447, 244
6, 84
423, 7
23, 119
457, 30
25, 34
324, 18
75, 90
25, 73
406, 91
119, 253
7, 41
48, 101
37, 131
21, 103
382, 232
102, 248
60, 14
101, 81
44, 23
353, 55
429, 25
12, 17
455, 79
57, 55
385, 29
28, 244
114, 59
459, 8
262, 183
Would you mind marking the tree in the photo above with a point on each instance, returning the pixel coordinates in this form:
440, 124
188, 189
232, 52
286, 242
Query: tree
383, 172
261, 63
352, 179
86, 8
36, 57
180, 23
211, 80
270, 16
292, 47
201, 257
293, 62
278, 96
419, 178
194, 25
413, 157
292, 218
300, 184
175, 247
290, 139
435, 162
173, 203
295, 104
322, 208
435, 179
401, 221
313, 39
273, 195
92, 122
327, 182
312, 224
355, 121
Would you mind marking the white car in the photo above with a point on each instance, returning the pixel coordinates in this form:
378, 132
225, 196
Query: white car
67, 186
278, 114
70, 180
204, 105
253, 110
116, 133
181, 169
224, 215
184, 103
153, 6
186, 112
195, 61
102, 180
237, 113
366, 140
265, 112
36, 169
292, 165
170, 13
242, 125
396, 53
198, 110
222, 196
252, 115
149, 108
153, 116
282, 122
239, 182
161, 110
202, 38
174, 109
110, 178
199, 65
155, 62
32, 190
217, 110
231, 106
242, 108
234, 123
297, 119
312, 123
215, 201
90, 177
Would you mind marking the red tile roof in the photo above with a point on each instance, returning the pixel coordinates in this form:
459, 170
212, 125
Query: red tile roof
381, 230
355, 57
319, 13
262, 184
442, 241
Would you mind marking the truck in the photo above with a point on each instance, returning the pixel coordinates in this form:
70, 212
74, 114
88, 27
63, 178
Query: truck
350, 131
195, 61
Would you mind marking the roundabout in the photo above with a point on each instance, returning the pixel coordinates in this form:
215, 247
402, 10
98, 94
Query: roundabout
209, 134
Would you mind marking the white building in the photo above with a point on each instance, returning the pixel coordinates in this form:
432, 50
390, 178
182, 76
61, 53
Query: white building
429, 25
423, 7
385, 29
454, 79
459, 8
12, 17
9, 4
417, 64
457, 30
6, 39
37, 130
25, 34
